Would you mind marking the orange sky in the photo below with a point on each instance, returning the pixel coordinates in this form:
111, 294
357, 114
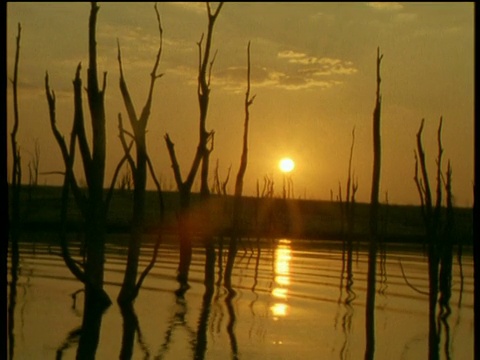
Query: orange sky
313, 74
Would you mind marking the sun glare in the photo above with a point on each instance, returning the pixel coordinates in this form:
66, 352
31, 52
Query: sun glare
286, 165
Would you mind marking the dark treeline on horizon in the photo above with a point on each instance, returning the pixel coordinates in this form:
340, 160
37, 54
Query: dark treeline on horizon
315, 219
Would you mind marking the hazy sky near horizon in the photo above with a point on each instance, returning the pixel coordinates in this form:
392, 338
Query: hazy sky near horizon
313, 74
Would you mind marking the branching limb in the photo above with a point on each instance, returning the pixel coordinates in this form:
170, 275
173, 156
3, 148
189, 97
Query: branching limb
150, 265
123, 141
419, 187
439, 173
157, 184
126, 95
173, 159
421, 156
224, 183
153, 75
79, 125
68, 157
16, 173
244, 156
109, 196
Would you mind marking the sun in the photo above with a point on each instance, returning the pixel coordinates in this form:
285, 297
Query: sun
286, 165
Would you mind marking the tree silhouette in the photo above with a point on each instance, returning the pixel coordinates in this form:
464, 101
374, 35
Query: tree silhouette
130, 287
438, 235
202, 152
374, 205
237, 201
92, 203
16, 184
347, 215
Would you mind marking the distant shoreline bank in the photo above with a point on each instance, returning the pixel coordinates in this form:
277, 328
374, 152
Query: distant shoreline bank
262, 217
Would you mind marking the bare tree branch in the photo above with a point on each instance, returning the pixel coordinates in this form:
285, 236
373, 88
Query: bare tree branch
173, 159
68, 156
126, 156
419, 187
17, 171
79, 125
426, 184
126, 148
158, 186
125, 94
153, 75
244, 157
439, 173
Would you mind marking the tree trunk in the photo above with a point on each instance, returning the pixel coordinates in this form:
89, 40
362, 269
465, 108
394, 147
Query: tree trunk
130, 287
128, 291
185, 239
372, 253
237, 201
201, 156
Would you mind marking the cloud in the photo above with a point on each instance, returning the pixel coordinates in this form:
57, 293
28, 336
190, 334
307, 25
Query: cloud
302, 83
234, 79
292, 71
385, 6
317, 66
196, 7
289, 54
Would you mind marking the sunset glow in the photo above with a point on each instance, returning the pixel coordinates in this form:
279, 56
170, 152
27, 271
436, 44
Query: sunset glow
310, 91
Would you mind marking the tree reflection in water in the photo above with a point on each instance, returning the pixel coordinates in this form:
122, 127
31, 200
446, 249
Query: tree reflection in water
86, 336
231, 324
255, 277
12, 299
279, 292
131, 327
71, 339
201, 340
349, 310
177, 320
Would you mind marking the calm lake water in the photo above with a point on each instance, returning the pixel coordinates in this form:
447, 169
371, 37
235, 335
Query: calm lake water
291, 303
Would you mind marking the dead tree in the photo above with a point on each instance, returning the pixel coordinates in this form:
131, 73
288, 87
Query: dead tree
374, 205
347, 214
130, 288
446, 257
92, 204
16, 181
438, 240
202, 152
15, 227
237, 201
219, 187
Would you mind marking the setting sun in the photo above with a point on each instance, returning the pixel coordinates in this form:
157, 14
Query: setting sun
286, 165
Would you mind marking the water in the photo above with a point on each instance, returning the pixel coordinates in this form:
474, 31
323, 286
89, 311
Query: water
289, 304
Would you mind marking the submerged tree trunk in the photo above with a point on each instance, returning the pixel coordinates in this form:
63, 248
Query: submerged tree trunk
185, 238
14, 195
437, 248
90, 331
201, 156
237, 201
130, 287
92, 204
374, 205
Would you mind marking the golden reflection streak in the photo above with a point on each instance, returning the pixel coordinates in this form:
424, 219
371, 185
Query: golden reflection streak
283, 256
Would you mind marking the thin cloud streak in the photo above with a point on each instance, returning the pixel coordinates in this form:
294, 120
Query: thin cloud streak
385, 6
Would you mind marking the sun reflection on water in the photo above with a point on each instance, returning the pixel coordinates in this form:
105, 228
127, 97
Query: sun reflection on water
282, 257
